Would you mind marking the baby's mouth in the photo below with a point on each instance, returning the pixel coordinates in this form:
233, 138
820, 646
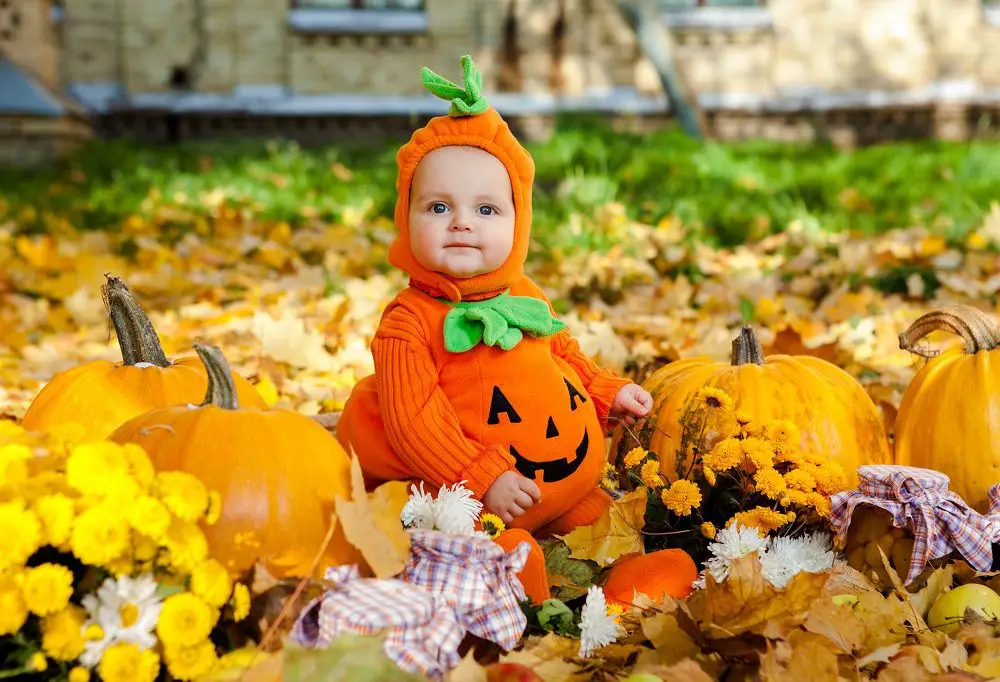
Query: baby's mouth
459, 245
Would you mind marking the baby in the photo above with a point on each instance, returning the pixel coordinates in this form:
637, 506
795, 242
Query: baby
476, 380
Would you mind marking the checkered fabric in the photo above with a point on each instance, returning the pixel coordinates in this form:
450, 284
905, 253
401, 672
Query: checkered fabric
422, 633
476, 578
919, 500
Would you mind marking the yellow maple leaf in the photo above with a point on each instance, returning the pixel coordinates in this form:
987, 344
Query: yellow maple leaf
372, 523
618, 531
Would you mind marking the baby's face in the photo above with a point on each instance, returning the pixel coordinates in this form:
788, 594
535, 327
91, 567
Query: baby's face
461, 212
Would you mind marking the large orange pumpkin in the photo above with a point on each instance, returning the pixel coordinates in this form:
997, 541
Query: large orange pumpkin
278, 473
949, 418
831, 409
101, 395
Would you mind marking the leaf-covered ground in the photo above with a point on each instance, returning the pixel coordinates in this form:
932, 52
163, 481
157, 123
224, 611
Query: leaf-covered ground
278, 253
652, 249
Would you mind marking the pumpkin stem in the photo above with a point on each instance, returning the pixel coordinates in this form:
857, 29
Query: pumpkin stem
221, 389
978, 330
136, 337
747, 348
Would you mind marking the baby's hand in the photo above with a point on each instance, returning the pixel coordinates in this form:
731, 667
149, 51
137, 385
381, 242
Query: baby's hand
511, 495
632, 402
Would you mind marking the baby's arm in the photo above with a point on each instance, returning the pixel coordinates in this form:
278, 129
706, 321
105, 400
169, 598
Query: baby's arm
420, 422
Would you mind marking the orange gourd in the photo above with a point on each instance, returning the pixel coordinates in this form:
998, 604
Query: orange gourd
667, 572
533, 576
835, 416
101, 395
949, 417
278, 473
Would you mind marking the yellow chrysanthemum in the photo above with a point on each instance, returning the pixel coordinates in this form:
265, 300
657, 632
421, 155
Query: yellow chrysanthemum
139, 465
782, 431
615, 610
241, 602
713, 399
47, 588
149, 516
609, 478
38, 662
94, 468
759, 452
794, 497
62, 633
635, 457
682, 497
769, 483
79, 674
746, 423
13, 609
709, 474
100, 535
21, 532
831, 479
211, 581
650, 475
14, 459
125, 663
799, 479
820, 503
708, 530
190, 662
186, 546
244, 658
786, 452
185, 496
93, 633
185, 620
214, 508
56, 514
762, 518
9, 429
727, 454
492, 525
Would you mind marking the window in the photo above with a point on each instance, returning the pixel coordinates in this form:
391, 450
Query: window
415, 5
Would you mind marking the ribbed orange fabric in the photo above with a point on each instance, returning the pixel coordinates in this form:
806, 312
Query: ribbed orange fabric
487, 131
423, 414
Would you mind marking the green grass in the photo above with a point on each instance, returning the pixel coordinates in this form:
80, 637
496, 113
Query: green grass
723, 193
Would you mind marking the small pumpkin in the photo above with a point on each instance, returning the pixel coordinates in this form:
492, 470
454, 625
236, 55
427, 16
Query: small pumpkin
277, 471
667, 572
101, 395
949, 417
831, 410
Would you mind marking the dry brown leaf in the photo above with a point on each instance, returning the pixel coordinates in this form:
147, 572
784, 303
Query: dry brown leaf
468, 670
667, 637
884, 619
747, 602
938, 581
788, 341
617, 532
881, 655
905, 668
548, 656
836, 623
373, 524
683, 671
813, 658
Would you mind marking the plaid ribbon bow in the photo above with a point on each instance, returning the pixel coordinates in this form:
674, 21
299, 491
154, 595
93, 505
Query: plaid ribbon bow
919, 500
476, 578
451, 584
422, 634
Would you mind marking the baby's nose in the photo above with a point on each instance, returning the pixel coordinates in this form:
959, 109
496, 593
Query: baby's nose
460, 224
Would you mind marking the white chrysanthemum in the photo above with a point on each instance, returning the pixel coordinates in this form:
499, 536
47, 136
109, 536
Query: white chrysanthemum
419, 512
127, 610
456, 510
597, 627
730, 544
785, 557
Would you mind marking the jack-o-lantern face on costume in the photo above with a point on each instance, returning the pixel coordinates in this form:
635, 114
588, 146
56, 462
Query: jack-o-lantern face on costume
552, 470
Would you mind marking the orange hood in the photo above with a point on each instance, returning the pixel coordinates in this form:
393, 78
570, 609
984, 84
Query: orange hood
472, 122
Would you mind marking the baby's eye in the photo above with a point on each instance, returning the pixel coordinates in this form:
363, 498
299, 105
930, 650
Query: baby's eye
439, 207
487, 210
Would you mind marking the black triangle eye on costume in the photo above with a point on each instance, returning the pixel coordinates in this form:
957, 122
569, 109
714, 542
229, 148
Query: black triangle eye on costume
498, 404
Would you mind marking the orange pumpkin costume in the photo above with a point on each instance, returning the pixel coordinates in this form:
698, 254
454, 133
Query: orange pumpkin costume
522, 399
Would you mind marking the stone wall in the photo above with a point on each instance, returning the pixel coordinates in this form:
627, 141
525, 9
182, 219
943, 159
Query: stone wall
28, 38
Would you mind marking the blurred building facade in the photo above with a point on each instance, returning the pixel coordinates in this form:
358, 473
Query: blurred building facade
852, 70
